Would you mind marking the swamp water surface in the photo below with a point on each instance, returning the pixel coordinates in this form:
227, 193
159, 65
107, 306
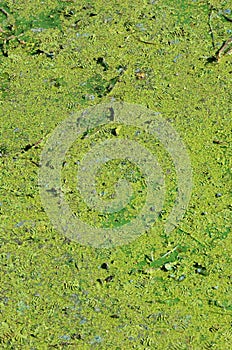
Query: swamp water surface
161, 290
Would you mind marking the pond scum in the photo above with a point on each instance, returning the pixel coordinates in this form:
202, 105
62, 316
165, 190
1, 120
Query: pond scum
160, 291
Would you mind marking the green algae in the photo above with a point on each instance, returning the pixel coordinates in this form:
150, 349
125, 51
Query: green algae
55, 292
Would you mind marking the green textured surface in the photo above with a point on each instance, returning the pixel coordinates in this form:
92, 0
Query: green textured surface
73, 54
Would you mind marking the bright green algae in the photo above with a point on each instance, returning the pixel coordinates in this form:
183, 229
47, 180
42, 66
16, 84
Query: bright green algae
160, 291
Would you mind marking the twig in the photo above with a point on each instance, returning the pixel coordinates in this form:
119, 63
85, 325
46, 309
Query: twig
29, 146
227, 18
210, 25
145, 41
222, 50
169, 252
189, 234
4, 12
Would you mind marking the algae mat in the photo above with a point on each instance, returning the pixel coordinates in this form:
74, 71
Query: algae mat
162, 290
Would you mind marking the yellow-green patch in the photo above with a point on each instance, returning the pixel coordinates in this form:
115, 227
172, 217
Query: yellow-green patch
160, 291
